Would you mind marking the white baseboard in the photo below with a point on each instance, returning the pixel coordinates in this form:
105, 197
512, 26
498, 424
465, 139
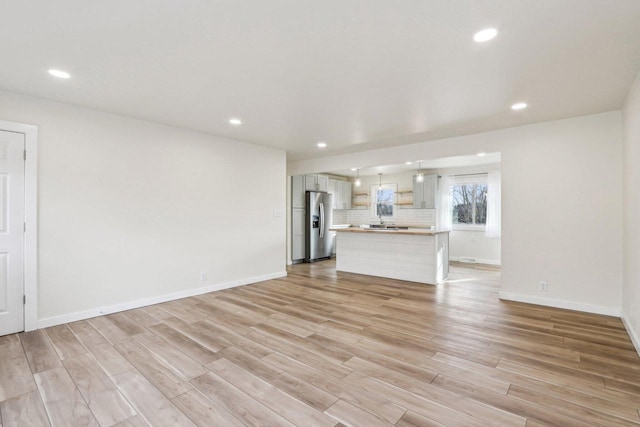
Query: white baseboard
633, 334
130, 305
478, 260
557, 303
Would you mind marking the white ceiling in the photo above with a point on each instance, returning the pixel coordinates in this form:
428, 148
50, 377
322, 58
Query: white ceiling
358, 74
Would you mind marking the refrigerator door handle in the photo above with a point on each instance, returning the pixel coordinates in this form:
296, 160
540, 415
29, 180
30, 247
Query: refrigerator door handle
321, 220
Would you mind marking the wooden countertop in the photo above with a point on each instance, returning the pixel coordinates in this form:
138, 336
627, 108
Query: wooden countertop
410, 231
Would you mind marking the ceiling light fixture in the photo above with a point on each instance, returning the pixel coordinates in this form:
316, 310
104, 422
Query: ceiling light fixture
380, 185
235, 122
358, 182
407, 163
519, 106
420, 176
482, 154
485, 35
322, 145
59, 74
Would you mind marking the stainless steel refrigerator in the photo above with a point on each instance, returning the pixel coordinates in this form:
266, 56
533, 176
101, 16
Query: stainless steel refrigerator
318, 217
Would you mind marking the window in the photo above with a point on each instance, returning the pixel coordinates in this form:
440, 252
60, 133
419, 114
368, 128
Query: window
469, 204
384, 200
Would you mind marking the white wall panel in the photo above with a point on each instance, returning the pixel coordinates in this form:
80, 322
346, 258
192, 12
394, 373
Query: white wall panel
131, 210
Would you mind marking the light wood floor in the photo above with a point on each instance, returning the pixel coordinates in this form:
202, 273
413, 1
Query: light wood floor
322, 349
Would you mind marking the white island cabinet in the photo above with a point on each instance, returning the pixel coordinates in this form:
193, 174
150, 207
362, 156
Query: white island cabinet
415, 255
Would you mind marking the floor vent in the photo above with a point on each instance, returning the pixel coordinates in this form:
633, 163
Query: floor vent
467, 260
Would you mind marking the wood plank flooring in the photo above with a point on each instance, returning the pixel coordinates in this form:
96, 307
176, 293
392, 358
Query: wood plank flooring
321, 348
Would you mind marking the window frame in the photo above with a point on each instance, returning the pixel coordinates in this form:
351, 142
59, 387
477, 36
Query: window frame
467, 180
374, 199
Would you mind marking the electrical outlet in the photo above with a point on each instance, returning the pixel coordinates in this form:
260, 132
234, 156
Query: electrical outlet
203, 276
544, 287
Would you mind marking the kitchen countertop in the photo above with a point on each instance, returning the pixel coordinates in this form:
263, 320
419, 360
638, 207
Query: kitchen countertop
410, 231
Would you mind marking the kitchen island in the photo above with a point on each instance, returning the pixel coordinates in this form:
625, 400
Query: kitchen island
413, 254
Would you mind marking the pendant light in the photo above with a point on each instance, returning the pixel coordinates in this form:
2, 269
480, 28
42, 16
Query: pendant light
358, 183
380, 186
420, 176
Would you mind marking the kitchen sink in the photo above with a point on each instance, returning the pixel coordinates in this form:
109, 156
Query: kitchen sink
387, 227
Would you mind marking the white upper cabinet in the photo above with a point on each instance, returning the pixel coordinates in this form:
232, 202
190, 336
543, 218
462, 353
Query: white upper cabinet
297, 192
323, 183
346, 194
316, 183
341, 191
334, 189
424, 193
311, 182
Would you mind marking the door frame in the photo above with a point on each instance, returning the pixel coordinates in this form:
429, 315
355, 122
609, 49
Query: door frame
30, 133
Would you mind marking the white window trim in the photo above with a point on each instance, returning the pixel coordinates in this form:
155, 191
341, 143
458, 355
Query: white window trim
468, 180
468, 227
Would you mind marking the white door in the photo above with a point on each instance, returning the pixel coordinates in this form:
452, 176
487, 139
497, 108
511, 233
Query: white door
11, 232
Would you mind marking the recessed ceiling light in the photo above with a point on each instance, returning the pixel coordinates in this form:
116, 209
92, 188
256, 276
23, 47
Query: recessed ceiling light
322, 144
354, 169
519, 106
59, 74
407, 163
481, 154
485, 35
235, 122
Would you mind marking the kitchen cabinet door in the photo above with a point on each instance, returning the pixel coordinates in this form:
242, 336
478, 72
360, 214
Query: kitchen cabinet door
316, 183
334, 242
334, 190
430, 190
297, 191
297, 235
418, 193
346, 194
311, 182
424, 193
322, 183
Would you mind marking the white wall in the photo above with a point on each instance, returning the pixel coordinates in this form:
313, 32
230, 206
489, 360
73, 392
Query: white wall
130, 210
631, 287
474, 244
561, 204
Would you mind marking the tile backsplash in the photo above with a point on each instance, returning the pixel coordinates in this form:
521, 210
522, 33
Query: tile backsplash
426, 217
